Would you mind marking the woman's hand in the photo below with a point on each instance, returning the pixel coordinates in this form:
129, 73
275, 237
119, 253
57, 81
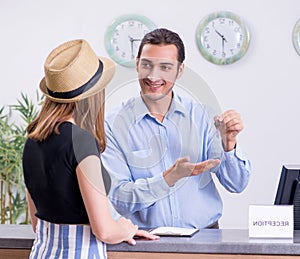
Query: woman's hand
143, 234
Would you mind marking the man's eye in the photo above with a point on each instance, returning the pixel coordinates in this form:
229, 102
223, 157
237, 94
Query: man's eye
146, 65
166, 68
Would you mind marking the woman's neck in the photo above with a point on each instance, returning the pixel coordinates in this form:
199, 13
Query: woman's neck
71, 119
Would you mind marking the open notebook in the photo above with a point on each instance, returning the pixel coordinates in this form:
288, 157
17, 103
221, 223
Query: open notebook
174, 231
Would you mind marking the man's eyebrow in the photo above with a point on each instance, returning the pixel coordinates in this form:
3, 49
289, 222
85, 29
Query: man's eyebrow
167, 63
146, 60
161, 63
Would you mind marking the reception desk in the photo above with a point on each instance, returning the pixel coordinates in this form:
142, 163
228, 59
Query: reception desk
16, 241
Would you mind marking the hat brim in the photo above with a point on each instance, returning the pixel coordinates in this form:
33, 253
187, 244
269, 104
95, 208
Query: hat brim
106, 76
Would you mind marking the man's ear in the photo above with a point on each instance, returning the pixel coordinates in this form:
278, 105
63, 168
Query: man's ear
180, 70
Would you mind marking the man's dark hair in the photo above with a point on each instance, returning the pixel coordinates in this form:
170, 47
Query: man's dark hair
163, 36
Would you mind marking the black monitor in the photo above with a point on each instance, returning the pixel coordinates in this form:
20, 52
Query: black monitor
288, 192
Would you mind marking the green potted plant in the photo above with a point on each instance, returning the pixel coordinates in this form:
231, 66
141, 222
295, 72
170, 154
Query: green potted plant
13, 207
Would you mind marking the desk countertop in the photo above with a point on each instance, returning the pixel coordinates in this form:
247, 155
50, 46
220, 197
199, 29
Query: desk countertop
220, 241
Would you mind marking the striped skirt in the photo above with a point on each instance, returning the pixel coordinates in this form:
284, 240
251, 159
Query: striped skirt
59, 241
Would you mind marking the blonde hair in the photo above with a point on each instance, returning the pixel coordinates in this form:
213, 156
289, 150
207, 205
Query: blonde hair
87, 113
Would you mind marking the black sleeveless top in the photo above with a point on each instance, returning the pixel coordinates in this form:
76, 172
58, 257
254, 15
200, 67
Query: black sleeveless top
50, 173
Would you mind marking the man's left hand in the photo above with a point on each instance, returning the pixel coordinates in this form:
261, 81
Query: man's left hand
230, 124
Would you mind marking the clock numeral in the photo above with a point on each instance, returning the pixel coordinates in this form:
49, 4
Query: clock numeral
214, 52
131, 23
223, 54
221, 20
140, 25
205, 38
207, 30
237, 29
123, 54
232, 51
230, 22
207, 46
116, 33
117, 48
241, 37
238, 45
114, 40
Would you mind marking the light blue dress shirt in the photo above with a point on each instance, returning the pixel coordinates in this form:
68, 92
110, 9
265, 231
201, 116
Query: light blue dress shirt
140, 149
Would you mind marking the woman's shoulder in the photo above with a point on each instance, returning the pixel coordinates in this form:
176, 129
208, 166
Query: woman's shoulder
80, 135
83, 142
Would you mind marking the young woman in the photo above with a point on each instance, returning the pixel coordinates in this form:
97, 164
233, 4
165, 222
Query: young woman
69, 209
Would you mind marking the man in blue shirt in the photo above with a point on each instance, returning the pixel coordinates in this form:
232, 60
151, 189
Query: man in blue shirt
162, 149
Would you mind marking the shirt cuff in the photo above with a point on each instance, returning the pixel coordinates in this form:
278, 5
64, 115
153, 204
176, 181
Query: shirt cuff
235, 153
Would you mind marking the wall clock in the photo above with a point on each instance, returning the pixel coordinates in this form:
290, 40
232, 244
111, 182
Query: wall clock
222, 37
123, 36
296, 37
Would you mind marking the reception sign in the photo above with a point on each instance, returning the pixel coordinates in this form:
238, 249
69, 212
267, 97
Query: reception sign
271, 221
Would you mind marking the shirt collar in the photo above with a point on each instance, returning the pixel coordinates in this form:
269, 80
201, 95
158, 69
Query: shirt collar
177, 105
141, 109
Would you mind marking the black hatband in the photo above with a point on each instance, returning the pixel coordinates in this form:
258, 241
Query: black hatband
71, 94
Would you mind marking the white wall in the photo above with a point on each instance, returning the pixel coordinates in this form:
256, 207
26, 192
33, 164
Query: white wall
263, 86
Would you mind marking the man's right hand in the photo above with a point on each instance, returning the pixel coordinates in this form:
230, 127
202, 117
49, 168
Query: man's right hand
183, 168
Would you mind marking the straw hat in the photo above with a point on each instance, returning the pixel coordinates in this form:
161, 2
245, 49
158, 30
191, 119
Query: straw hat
74, 72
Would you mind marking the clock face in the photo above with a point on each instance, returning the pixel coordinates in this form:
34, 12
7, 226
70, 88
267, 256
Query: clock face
222, 38
296, 37
123, 37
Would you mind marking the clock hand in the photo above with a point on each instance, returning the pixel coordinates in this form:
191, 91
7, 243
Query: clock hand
219, 34
223, 39
130, 38
133, 39
131, 46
